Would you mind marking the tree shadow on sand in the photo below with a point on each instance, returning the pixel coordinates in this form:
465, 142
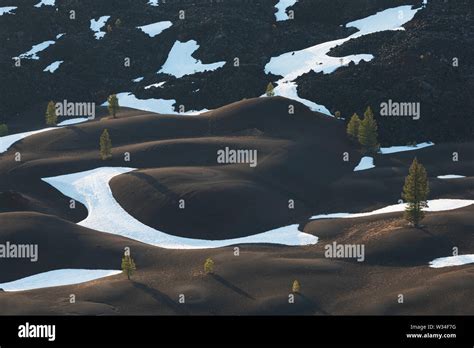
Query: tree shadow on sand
160, 297
311, 303
231, 286
163, 189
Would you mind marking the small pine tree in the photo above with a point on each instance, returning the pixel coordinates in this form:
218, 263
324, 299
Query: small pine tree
415, 193
337, 114
353, 127
367, 134
270, 90
128, 266
118, 22
51, 116
113, 105
209, 266
296, 288
3, 129
105, 145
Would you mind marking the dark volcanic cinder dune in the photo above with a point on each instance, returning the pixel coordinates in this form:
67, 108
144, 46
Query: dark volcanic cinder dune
300, 158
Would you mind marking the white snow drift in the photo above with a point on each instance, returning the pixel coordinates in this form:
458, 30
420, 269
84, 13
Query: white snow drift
291, 65
365, 163
97, 24
281, 7
46, 3
451, 176
451, 261
58, 277
91, 188
180, 61
396, 149
433, 205
156, 85
155, 29
7, 10
53, 66
33, 52
153, 2
160, 106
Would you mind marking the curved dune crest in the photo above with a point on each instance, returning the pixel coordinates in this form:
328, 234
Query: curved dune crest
92, 189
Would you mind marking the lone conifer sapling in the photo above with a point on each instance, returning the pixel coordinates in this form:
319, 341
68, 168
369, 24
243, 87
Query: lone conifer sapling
113, 105
105, 145
128, 266
415, 193
367, 132
296, 288
270, 92
51, 116
353, 127
209, 266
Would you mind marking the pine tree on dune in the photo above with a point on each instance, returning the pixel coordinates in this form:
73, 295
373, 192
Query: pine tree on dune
296, 288
51, 116
105, 145
353, 127
128, 266
367, 134
113, 105
415, 193
209, 266
270, 90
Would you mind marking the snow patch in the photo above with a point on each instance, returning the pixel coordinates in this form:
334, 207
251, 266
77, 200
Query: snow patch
160, 106
33, 52
433, 205
292, 65
97, 24
450, 176
289, 90
396, 149
138, 79
59, 277
365, 163
281, 7
155, 29
154, 2
156, 85
390, 19
7, 10
180, 61
451, 261
92, 189
46, 3
53, 66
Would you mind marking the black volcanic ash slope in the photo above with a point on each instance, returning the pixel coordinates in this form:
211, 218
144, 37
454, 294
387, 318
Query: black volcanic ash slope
93, 69
415, 65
